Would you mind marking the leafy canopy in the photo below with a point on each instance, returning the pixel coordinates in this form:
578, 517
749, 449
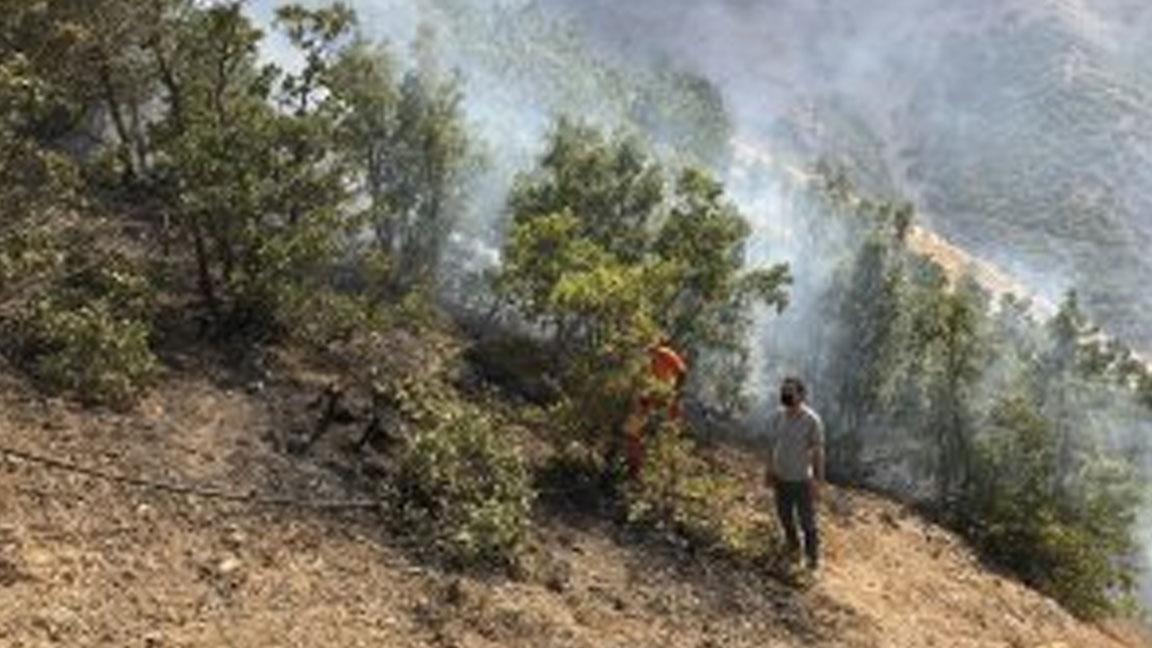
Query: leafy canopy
604, 252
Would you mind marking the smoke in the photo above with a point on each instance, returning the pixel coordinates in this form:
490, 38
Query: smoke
1021, 129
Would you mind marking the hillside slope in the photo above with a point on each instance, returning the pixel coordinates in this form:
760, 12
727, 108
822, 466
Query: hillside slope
1021, 128
85, 562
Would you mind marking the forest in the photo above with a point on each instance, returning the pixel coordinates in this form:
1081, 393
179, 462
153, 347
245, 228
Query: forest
162, 181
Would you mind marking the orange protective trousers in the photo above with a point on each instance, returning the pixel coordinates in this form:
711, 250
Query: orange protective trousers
668, 367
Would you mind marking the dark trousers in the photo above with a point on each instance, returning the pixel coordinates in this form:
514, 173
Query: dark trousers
794, 500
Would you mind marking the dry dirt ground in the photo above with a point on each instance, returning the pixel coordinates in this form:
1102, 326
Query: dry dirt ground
89, 563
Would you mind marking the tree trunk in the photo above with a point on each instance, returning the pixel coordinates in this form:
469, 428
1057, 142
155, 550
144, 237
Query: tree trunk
115, 111
203, 268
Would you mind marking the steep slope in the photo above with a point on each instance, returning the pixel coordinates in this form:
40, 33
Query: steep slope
1023, 128
1025, 137
1030, 144
84, 562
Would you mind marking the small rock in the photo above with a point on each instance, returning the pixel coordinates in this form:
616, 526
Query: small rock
229, 566
298, 444
235, 538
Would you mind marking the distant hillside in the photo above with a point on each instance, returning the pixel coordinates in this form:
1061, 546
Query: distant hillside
1031, 144
1022, 129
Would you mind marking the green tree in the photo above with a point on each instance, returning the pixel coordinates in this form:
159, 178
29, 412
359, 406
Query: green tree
1076, 545
252, 186
708, 310
1018, 427
601, 255
93, 55
961, 353
612, 187
867, 350
686, 113
75, 314
1070, 384
411, 153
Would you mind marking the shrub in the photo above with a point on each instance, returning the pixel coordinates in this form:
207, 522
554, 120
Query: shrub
88, 331
321, 318
465, 487
679, 493
1065, 537
91, 352
576, 478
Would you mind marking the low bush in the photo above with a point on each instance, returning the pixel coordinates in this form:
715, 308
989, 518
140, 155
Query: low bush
90, 352
679, 493
464, 486
87, 333
321, 318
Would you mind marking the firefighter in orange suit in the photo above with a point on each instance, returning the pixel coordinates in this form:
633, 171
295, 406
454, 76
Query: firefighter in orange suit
668, 371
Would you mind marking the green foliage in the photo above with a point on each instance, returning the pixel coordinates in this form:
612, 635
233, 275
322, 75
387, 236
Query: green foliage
255, 179
80, 55
89, 334
871, 343
1072, 543
681, 494
465, 487
91, 352
1010, 426
602, 256
77, 316
410, 153
255, 192
257, 173
612, 187
326, 319
28, 254
949, 324
910, 349
36, 183
251, 165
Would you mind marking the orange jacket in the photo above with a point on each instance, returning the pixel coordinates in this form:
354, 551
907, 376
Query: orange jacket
667, 366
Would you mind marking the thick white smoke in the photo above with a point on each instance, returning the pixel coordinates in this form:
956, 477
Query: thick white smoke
1023, 128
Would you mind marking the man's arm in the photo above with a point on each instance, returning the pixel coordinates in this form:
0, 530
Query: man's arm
817, 445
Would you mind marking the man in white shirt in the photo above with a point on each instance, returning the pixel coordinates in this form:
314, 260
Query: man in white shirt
796, 467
